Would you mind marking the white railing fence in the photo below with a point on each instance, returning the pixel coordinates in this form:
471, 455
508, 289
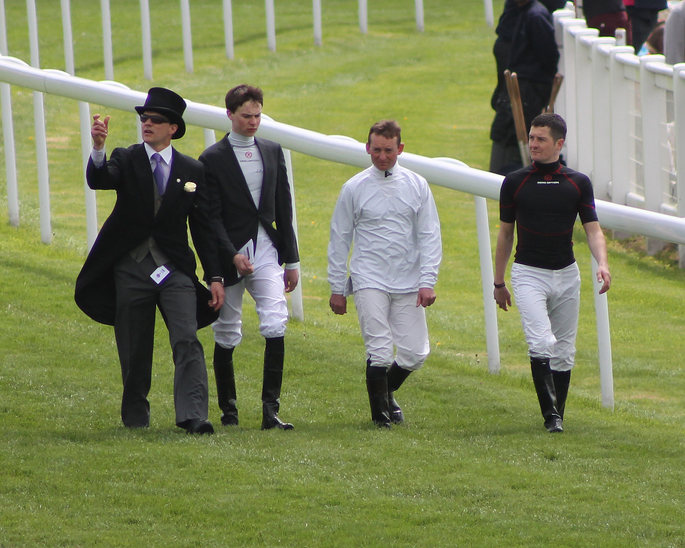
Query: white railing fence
626, 118
186, 33
448, 173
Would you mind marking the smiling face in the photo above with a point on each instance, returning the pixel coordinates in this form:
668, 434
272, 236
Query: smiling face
157, 130
246, 118
544, 149
383, 151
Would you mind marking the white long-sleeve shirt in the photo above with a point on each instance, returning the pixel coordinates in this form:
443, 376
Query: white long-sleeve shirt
394, 226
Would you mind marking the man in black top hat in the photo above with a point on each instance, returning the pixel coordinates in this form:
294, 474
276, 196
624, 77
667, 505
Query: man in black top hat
141, 260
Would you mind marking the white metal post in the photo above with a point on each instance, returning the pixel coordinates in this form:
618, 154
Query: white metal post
210, 137
39, 128
146, 36
679, 103
583, 118
296, 294
316, 14
89, 194
68, 37
10, 154
653, 108
606, 374
489, 16
419, 15
107, 39
8, 131
620, 120
363, 17
601, 106
228, 28
3, 30
187, 35
487, 279
270, 25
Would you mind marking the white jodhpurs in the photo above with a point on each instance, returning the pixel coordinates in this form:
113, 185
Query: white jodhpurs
266, 287
390, 321
548, 303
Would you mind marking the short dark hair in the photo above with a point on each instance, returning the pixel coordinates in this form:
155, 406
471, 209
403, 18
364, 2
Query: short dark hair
241, 94
386, 128
555, 123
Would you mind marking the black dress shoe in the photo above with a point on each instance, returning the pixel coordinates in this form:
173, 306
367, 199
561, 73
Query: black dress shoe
274, 422
197, 426
554, 425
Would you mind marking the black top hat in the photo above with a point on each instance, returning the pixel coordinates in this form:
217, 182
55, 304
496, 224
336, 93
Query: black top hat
170, 104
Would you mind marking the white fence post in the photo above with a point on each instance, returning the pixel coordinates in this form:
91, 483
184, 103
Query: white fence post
296, 294
653, 108
581, 128
10, 155
419, 15
8, 131
569, 88
68, 37
606, 375
146, 37
489, 15
622, 99
228, 28
487, 278
89, 194
107, 39
270, 25
601, 117
187, 35
39, 128
363, 17
679, 105
316, 15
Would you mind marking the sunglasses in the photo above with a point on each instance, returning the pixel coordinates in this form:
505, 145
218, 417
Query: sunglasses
154, 119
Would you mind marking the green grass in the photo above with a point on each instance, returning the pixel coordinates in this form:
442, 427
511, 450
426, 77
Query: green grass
472, 466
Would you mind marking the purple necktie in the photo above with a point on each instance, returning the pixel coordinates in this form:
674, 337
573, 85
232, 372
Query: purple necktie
158, 172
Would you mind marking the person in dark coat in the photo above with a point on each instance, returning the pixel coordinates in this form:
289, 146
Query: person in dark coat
141, 260
525, 45
643, 16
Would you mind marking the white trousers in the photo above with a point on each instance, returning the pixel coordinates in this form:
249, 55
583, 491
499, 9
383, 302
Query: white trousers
391, 321
266, 287
548, 302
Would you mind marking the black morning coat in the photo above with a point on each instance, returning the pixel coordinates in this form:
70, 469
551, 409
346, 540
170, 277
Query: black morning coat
133, 220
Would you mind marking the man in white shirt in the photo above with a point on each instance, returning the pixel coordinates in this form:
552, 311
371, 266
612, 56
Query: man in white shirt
390, 215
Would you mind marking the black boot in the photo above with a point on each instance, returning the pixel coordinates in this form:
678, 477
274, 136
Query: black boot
377, 387
544, 386
396, 376
271, 387
225, 384
561, 381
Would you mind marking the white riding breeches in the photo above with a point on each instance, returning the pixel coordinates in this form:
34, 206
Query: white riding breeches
266, 287
548, 303
390, 321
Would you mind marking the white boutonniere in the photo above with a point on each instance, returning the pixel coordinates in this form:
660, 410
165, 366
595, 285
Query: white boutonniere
190, 186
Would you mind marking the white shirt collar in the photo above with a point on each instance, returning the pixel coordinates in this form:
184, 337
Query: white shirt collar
165, 153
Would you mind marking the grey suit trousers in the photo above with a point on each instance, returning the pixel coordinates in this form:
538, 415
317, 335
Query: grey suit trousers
137, 297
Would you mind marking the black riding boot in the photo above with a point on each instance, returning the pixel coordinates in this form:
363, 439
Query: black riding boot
377, 387
271, 387
225, 384
544, 386
396, 376
561, 382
